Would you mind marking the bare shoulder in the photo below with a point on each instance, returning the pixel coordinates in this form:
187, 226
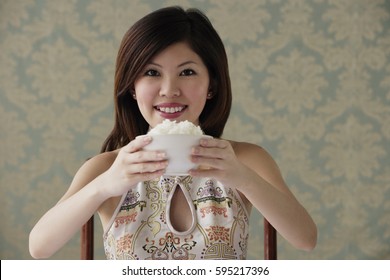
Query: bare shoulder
99, 163
260, 161
91, 169
252, 154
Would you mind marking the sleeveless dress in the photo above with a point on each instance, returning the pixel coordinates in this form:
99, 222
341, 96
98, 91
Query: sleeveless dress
141, 228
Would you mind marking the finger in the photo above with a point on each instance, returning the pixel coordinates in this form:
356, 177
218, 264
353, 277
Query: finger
213, 142
208, 162
141, 177
143, 157
147, 167
211, 152
202, 172
137, 144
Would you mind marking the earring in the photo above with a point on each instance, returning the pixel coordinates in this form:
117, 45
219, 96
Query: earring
133, 94
210, 94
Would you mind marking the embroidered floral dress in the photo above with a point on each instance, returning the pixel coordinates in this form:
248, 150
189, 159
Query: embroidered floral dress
141, 228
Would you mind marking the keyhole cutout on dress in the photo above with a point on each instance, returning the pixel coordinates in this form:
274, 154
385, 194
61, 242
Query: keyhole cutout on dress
180, 213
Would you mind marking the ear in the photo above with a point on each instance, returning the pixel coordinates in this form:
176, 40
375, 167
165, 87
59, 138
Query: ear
212, 89
132, 92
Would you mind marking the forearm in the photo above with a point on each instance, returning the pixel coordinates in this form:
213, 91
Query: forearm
283, 211
62, 221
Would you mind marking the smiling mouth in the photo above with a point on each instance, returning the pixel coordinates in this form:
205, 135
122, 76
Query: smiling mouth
170, 110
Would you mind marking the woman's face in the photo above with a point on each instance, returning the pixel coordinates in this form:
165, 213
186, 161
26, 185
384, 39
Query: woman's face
173, 85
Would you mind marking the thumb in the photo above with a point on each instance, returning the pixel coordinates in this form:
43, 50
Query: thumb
138, 143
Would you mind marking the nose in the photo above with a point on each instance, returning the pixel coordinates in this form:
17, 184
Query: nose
169, 88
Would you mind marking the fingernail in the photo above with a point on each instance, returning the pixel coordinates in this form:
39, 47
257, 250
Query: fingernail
195, 151
147, 139
161, 155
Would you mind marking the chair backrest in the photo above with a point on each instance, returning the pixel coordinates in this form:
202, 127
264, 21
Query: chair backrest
270, 241
87, 244
87, 240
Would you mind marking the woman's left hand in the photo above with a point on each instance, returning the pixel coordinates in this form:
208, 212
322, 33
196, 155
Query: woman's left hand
217, 159
269, 195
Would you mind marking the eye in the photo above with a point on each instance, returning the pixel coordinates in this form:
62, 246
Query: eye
187, 72
152, 73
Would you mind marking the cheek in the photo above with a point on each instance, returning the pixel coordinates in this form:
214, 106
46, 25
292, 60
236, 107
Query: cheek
145, 92
198, 99
197, 90
143, 88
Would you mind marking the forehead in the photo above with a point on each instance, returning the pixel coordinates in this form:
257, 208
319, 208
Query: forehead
176, 53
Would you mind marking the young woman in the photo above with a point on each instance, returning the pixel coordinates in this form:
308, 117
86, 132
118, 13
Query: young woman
172, 65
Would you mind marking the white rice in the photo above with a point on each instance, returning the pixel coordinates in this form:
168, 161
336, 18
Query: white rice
173, 127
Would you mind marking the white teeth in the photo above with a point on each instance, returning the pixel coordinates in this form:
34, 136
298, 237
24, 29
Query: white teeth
171, 110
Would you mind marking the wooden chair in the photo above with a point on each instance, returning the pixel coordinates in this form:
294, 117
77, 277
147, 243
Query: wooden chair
87, 242
270, 244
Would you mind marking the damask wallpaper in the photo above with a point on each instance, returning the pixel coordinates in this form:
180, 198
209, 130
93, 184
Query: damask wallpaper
311, 84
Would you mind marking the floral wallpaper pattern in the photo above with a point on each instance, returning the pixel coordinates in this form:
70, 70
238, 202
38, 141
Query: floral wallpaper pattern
311, 84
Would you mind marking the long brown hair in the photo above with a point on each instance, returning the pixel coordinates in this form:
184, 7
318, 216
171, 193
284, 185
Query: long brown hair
145, 39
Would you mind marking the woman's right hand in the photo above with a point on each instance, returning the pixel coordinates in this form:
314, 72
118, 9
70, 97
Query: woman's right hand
133, 165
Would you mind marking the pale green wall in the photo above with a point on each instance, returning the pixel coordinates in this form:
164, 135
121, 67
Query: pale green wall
311, 84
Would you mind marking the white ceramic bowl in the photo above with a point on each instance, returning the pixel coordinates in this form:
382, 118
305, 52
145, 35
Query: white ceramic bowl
178, 148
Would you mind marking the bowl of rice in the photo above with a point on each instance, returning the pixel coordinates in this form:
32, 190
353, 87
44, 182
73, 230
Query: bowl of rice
176, 139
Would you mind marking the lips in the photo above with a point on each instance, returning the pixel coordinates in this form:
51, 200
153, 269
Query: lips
170, 110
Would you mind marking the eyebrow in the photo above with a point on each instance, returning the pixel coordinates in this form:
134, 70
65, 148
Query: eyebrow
180, 65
